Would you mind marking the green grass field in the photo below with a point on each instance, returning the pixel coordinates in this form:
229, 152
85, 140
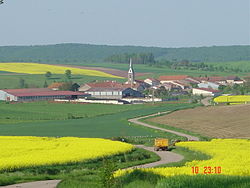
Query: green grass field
103, 121
244, 65
158, 70
36, 80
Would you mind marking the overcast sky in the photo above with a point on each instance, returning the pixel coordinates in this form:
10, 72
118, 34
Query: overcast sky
163, 23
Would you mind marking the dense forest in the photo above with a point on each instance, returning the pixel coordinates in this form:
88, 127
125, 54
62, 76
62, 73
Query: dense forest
80, 53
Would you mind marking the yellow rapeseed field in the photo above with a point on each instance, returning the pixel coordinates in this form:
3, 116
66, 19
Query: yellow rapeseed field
36, 68
22, 151
228, 157
234, 99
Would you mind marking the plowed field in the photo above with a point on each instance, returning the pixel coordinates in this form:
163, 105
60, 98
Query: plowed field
216, 121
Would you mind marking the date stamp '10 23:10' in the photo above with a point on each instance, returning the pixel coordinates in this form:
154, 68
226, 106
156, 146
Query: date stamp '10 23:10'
206, 170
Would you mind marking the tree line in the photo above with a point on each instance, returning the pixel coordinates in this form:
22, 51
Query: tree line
137, 58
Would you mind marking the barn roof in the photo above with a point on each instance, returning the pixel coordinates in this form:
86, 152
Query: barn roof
40, 92
173, 77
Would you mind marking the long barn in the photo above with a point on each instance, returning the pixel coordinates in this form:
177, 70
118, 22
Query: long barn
38, 94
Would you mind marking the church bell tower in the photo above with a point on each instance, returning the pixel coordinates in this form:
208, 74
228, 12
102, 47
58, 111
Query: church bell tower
131, 73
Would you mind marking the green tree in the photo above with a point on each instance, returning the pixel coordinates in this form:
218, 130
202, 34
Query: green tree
21, 83
107, 179
45, 85
68, 73
48, 74
66, 86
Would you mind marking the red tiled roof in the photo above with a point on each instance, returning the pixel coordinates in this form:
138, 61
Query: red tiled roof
209, 89
111, 84
26, 92
212, 78
173, 78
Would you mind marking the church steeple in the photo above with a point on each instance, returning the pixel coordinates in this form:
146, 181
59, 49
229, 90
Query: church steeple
131, 73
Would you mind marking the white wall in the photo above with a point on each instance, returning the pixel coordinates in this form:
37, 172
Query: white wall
202, 92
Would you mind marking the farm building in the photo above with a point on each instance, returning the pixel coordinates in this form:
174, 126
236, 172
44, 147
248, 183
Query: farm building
37, 94
113, 93
206, 92
206, 84
229, 80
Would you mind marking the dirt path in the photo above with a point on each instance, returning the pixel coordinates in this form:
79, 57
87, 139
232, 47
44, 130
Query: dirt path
35, 184
136, 121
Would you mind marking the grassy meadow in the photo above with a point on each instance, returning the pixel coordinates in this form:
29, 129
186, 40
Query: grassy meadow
90, 120
11, 81
158, 70
244, 65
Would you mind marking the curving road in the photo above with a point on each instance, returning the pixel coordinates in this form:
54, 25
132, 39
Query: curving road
166, 157
136, 121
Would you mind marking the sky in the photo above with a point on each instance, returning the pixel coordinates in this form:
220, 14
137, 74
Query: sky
162, 23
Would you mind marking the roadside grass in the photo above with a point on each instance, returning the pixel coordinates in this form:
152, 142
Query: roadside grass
205, 181
73, 171
188, 155
141, 179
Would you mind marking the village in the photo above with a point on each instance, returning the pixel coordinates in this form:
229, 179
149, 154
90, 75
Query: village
166, 87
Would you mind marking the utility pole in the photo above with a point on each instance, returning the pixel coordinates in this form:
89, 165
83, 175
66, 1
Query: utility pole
153, 96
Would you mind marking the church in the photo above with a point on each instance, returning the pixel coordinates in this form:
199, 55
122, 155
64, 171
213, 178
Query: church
115, 90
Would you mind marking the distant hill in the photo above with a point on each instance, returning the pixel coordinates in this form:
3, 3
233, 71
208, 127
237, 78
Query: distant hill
76, 53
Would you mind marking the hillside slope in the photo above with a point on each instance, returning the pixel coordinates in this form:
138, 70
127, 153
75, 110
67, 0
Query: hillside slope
75, 53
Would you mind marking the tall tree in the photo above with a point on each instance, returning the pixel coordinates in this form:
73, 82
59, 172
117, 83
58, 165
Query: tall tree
45, 85
68, 73
21, 83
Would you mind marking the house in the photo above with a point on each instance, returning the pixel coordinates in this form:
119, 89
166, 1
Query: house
234, 80
38, 94
229, 80
152, 82
206, 92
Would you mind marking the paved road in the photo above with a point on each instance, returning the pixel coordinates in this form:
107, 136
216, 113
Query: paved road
206, 100
166, 157
35, 184
136, 121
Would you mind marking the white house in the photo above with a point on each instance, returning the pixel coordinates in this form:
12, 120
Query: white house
152, 81
206, 92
